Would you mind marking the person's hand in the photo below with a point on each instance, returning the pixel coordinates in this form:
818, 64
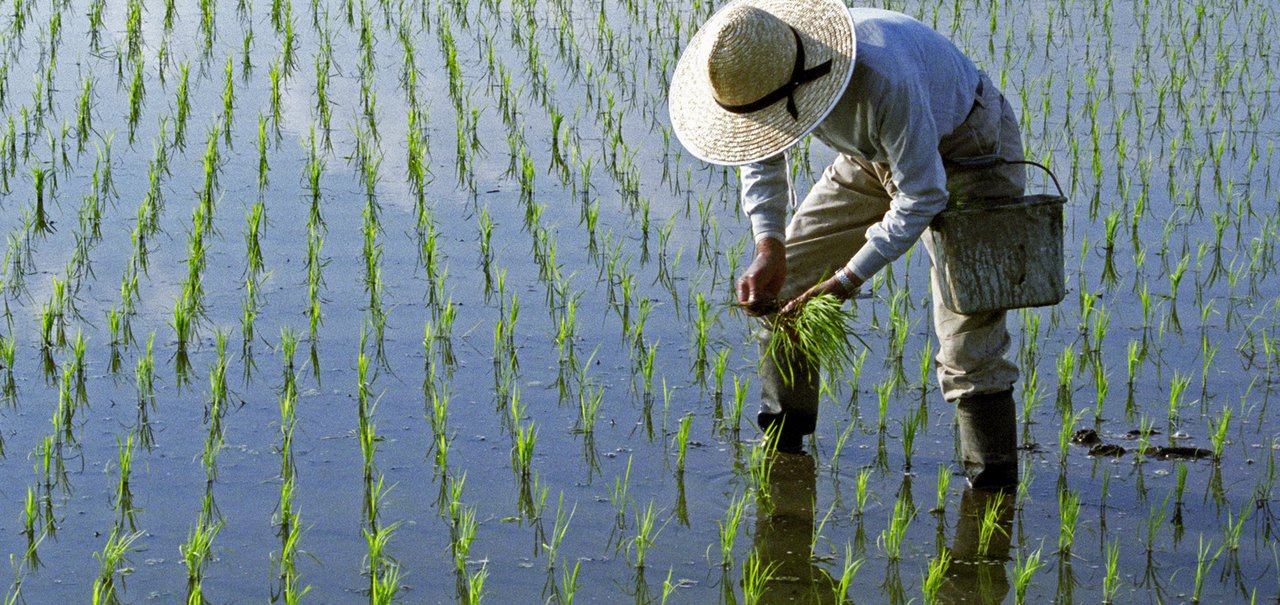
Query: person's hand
759, 286
831, 285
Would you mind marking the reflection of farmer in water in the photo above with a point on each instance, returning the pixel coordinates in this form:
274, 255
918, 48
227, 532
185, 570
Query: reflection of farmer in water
914, 121
784, 539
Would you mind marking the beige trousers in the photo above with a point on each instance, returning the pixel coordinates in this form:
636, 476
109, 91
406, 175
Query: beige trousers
830, 225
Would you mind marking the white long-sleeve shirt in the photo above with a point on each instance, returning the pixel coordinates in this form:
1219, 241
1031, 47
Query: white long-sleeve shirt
910, 87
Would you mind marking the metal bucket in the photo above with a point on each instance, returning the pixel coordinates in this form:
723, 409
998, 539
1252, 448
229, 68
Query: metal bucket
1001, 254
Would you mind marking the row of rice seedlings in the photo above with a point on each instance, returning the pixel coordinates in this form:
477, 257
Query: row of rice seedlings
255, 224
289, 586
382, 569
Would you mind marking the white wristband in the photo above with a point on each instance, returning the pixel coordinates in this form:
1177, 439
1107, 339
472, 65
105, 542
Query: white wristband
846, 282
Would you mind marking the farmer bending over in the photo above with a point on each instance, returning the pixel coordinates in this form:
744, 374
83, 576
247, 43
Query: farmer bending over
914, 122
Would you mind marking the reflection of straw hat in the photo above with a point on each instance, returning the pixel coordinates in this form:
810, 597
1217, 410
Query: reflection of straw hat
759, 75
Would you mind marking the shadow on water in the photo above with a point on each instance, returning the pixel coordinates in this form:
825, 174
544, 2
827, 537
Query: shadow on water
784, 538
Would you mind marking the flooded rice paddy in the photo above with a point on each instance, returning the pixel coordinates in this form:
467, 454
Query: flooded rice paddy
419, 301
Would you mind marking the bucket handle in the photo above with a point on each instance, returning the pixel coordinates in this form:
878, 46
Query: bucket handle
1040, 166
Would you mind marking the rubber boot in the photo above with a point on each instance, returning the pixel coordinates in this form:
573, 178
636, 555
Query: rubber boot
989, 440
788, 399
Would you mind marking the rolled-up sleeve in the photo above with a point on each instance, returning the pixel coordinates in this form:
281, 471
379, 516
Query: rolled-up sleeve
908, 138
766, 194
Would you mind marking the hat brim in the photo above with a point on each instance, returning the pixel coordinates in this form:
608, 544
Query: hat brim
718, 136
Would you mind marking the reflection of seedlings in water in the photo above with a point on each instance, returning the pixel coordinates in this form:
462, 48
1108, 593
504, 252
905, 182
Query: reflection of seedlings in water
935, 576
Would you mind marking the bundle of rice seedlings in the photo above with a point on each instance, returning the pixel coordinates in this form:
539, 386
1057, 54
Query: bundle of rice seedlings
819, 332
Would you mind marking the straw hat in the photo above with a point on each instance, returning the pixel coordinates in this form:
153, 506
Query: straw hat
739, 94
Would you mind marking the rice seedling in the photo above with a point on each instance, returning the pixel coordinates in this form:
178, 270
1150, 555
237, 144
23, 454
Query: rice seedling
561, 528
1218, 432
137, 94
910, 426
741, 386
728, 528
993, 510
569, 583
1023, 570
819, 330
620, 495
113, 566
1068, 515
1204, 563
682, 441
384, 572
943, 485
892, 537
195, 556
1111, 581
756, 573
935, 576
522, 451
647, 532
860, 490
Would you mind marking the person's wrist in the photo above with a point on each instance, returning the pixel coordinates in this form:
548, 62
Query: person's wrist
848, 281
769, 246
